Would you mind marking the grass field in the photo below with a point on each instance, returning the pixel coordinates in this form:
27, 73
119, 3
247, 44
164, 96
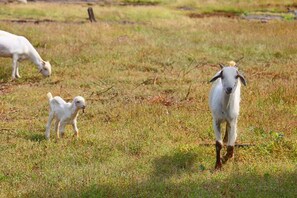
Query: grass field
144, 72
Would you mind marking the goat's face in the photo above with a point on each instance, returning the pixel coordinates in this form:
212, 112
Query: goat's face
229, 77
79, 102
46, 69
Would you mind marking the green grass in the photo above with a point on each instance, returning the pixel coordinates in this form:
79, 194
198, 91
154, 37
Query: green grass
144, 72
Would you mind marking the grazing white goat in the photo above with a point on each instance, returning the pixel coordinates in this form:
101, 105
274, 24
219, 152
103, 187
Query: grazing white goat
224, 104
19, 48
64, 113
22, 1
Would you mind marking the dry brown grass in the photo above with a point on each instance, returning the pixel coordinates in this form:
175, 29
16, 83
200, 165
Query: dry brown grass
144, 72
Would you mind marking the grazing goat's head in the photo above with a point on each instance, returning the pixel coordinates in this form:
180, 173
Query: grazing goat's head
79, 102
229, 77
46, 69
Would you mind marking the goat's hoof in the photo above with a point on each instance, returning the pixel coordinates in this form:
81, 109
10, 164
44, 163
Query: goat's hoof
229, 154
75, 135
218, 165
225, 159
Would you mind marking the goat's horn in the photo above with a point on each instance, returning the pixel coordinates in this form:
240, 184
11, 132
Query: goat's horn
239, 59
221, 65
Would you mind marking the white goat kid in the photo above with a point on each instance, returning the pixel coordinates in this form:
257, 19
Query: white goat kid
19, 48
224, 104
64, 113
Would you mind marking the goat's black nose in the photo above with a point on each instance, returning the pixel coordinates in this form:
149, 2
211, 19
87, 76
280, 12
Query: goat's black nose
229, 90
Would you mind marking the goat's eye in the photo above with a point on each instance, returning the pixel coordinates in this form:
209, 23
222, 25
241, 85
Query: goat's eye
77, 101
45, 69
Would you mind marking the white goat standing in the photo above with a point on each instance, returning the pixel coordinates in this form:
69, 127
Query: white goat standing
19, 48
224, 104
64, 113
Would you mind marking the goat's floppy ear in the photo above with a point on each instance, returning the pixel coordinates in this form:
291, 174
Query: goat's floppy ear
43, 64
242, 79
218, 75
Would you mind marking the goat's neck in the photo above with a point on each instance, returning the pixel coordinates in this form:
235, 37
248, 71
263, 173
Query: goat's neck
35, 57
227, 99
74, 110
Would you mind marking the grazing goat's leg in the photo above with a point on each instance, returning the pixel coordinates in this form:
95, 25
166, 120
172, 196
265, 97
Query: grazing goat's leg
14, 65
219, 145
17, 70
74, 125
48, 125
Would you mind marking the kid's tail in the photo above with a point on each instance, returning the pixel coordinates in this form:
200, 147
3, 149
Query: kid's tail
49, 95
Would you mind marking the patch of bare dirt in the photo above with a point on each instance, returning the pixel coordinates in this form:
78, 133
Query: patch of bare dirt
5, 88
62, 1
263, 17
37, 21
40, 21
161, 99
214, 14
91, 2
275, 5
139, 3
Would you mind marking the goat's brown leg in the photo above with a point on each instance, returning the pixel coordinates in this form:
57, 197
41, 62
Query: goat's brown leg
229, 154
218, 155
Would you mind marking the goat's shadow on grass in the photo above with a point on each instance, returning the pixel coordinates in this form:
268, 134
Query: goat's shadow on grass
28, 80
6, 78
236, 185
34, 79
159, 184
166, 166
174, 164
